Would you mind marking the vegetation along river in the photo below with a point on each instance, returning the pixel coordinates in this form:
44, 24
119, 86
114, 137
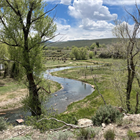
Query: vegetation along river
72, 91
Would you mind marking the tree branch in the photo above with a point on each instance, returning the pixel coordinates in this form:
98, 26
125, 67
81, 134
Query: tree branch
43, 14
66, 124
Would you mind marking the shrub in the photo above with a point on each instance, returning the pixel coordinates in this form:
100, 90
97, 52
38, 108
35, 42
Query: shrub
45, 125
106, 114
65, 135
90, 55
21, 138
3, 124
86, 133
131, 135
109, 134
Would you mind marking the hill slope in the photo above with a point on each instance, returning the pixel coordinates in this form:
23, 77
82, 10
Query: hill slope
82, 43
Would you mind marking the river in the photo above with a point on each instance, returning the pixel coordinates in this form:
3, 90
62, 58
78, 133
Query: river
72, 91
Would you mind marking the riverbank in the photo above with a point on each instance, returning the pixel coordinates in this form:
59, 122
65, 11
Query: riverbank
102, 78
12, 92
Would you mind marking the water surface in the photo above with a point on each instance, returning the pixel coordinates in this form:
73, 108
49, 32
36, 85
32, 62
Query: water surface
72, 91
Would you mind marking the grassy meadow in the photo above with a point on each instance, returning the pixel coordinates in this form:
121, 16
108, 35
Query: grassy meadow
109, 75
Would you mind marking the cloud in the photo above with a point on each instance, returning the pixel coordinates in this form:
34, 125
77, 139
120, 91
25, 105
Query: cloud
88, 24
66, 2
121, 2
97, 30
92, 9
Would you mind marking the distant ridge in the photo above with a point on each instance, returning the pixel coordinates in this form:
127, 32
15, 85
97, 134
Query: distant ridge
82, 43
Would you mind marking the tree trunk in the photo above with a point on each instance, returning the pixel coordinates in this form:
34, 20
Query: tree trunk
36, 104
131, 74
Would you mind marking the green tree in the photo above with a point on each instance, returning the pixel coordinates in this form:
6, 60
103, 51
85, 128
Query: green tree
75, 52
26, 26
90, 55
83, 53
92, 46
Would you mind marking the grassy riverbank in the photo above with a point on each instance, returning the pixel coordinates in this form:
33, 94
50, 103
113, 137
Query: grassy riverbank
12, 92
104, 78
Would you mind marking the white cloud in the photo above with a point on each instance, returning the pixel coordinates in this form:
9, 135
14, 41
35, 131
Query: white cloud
121, 2
66, 2
92, 9
88, 24
100, 29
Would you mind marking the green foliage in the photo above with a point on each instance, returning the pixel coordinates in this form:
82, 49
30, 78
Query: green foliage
109, 134
27, 46
131, 135
60, 135
3, 124
71, 56
92, 46
79, 54
90, 55
65, 135
21, 138
45, 125
105, 114
85, 134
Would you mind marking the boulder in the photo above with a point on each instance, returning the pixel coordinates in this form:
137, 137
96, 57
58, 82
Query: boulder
85, 122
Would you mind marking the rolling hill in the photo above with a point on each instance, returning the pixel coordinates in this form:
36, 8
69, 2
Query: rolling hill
81, 43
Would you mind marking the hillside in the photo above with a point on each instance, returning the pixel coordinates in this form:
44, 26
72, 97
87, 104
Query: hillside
82, 43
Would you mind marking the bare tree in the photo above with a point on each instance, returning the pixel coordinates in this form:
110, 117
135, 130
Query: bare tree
129, 36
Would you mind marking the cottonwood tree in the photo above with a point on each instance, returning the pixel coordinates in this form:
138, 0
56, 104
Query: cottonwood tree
129, 35
26, 26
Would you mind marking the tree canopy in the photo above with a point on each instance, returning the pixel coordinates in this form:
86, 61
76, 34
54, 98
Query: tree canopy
25, 27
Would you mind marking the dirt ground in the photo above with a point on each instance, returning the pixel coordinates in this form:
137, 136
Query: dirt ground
11, 99
130, 122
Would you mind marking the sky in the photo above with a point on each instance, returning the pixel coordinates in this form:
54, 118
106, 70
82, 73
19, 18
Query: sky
89, 19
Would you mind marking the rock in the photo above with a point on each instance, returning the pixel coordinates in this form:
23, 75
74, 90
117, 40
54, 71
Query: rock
19, 120
55, 95
103, 125
85, 122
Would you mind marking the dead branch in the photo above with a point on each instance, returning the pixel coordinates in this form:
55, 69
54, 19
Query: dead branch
66, 124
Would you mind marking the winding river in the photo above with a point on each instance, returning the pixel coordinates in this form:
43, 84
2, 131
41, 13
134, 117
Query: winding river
72, 91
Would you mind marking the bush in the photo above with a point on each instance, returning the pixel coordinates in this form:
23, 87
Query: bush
45, 125
21, 138
90, 55
106, 114
109, 134
85, 134
131, 135
3, 124
65, 135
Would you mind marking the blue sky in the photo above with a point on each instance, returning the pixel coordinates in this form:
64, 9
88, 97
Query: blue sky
88, 19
